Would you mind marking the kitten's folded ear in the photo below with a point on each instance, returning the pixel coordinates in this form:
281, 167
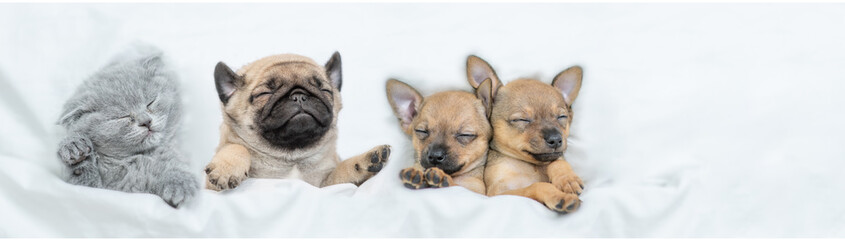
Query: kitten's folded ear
71, 114
152, 64
227, 82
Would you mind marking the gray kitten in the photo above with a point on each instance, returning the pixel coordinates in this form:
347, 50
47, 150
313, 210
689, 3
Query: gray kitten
121, 124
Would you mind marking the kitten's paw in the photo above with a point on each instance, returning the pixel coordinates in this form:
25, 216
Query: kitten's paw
378, 158
569, 184
75, 149
85, 174
412, 178
436, 178
563, 202
179, 190
223, 175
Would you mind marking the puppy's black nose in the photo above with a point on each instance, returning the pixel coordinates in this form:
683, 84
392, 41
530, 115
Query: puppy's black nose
299, 96
436, 155
553, 138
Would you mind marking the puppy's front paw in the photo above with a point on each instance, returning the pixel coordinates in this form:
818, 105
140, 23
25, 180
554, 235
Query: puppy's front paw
378, 158
222, 175
569, 184
179, 190
436, 178
563, 203
75, 149
412, 178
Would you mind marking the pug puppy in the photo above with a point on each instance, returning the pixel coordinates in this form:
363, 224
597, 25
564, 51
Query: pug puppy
450, 133
531, 122
279, 121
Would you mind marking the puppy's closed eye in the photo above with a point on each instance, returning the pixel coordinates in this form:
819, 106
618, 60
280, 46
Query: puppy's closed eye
521, 121
465, 138
421, 133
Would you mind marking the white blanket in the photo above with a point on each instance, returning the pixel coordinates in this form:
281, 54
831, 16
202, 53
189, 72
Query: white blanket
693, 120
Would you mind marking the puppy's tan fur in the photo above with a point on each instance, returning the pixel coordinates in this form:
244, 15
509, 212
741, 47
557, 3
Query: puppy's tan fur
242, 152
454, 119
522, 110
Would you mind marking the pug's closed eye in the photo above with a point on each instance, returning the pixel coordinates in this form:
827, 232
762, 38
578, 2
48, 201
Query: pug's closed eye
258, 95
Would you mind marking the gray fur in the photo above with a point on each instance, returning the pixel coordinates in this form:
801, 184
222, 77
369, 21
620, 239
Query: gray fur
107, 144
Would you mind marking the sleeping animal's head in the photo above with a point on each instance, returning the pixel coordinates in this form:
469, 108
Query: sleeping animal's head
126, 107
449, 130
530, 118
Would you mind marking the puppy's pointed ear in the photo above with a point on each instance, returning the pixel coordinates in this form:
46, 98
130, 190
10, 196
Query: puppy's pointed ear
484, 92
227, 82
479, 70
568, 83
405, 101
333, 70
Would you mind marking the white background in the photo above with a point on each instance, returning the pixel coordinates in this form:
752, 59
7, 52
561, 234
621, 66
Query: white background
693, 119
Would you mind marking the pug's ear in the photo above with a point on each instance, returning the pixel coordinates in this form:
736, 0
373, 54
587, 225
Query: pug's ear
333, 71
227, 82
484, 92
405, 101
479, 70
568, 83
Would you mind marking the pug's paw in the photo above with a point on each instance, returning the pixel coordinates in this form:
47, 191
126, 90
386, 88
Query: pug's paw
75, 149
223, 175
412, 178
436, 178
569, 184
377, 158
563, 202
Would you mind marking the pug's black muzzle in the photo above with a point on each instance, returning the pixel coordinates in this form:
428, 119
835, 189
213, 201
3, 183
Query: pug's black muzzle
295, 119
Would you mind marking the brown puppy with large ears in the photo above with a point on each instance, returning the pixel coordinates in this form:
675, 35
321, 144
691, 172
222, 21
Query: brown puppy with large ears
531, 122
450, 133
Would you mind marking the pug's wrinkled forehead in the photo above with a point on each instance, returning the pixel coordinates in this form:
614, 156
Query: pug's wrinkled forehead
282, 65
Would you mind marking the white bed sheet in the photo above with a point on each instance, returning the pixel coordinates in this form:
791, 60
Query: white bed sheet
694, 119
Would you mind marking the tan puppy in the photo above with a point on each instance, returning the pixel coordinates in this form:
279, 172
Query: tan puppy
450, 133
279, 121
530, 122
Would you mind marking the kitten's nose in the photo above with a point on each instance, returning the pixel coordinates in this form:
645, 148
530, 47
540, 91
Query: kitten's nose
145, 124
144, 121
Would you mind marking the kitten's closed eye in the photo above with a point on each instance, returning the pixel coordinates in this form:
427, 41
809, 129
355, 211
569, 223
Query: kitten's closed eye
150, 105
